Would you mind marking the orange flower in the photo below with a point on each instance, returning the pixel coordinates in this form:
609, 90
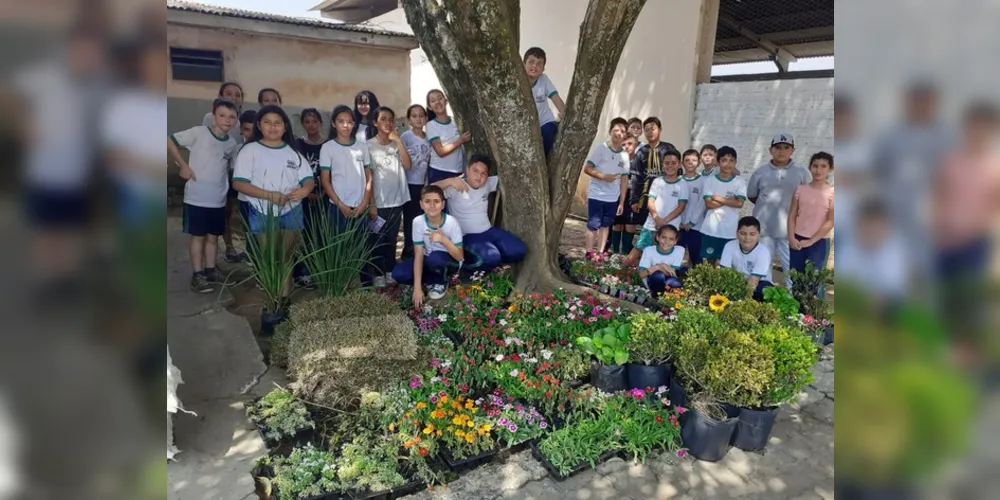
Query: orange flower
423, 452
470, 437
421, 405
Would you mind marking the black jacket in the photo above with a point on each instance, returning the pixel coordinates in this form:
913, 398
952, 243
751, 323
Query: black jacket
646, 166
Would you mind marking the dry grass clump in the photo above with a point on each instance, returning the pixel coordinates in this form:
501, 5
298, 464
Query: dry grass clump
347, 306
341, 384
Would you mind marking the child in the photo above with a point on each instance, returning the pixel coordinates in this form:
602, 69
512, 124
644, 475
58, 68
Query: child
646, 166
668, 197
268, 97
310, 147
439, 239
709, 160
606, 165
468, 201
205, 191
419, 149
365, 104
623, 231
748, 256
811, 214
447, 145
390, 161
770, 189
635, 128
662, 264
724, 196
233, 92
274, 177
694, 212
542, 89
247, 119
345, 172
876, 259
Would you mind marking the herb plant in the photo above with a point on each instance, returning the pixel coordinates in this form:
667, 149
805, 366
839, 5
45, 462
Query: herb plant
608, 344
781, 299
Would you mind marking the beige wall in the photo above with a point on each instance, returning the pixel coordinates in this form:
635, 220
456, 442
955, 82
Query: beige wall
307, 73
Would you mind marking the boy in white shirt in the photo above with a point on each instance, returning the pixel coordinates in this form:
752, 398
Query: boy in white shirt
694, 212
749, 257
662, 265
437, 243
709, 160
542, 89
724, 196
607, 164
468, 203
207, 176
667, 198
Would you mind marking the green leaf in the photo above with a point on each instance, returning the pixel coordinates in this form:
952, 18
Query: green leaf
621, 356
610, 340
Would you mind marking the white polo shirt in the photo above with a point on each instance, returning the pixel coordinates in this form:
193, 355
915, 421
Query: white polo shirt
388, 175
543, 90
721, 222
666, 196
447, 133
449, 226
756, 262
652, 256
210, 158
694, 211
280, 169
347, 165
607, 161
471, 208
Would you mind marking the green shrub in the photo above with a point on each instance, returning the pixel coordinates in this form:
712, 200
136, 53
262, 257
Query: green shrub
347, 306
805, 289
304, 473
737, 370
607, 344
794, 354
281, 414
278, 348
749, 315
573, 363
705, 280
369, 463
648, 340
781, 299
691, 335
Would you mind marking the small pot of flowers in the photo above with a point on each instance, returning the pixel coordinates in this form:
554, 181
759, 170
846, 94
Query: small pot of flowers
607, 345
282, 421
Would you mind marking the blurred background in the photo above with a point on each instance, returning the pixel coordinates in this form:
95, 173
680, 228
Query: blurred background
917, 322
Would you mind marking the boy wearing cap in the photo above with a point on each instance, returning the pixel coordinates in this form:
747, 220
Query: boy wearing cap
771, 189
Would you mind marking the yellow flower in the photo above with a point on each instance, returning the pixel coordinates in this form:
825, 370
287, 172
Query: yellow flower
460, 433
457, 420
678, 305
487, 427
468, 405
438, 433
437, 414
429, 429
392, 427
470, 437
421, 405
717, 303
444, 399
470, 423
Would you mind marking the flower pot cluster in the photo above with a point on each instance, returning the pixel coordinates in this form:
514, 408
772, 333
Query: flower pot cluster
575, 379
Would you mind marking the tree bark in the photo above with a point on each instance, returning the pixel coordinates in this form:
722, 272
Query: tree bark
474, 49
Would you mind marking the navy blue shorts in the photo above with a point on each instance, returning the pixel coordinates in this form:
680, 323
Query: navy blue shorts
293, 220
52, 208
202, 221
601, 213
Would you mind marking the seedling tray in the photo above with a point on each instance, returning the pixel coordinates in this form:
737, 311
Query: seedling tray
554, 474
464, 464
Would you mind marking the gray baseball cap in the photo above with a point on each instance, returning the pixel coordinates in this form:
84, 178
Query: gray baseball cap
783, 138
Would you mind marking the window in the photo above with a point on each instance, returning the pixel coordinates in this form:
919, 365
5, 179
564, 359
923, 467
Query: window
196, 65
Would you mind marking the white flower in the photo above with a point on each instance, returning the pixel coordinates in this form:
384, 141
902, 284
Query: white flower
499, 357
503, 322
435, 379
442, 318
546, 354
514, 372
532, 360
572, 308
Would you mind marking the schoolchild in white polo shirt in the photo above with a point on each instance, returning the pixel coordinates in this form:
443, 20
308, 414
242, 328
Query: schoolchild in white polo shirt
542, 89
345, 172
468, 204
447, 143
437, 243
667, 198
207, 176
694, 211
724, 195
607, 164
747, 255
662, 265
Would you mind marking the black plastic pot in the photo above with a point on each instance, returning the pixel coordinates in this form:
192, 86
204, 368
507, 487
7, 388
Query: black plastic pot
677, 393
464, 464
707, 439
269, 320
454, 337
609, 378
554, 474
642, 376
754, 428
828, 336
390, 494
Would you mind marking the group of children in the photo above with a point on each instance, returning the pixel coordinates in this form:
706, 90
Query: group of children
686, 216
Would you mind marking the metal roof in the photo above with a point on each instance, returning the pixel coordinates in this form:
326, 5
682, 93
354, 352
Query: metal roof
773, 30
355, 11
264, 16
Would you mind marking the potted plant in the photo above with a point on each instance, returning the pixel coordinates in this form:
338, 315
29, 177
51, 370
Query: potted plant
369, 467
272, 257
607, 345
282, 420
807, 287
705, 280
648, 351
782, 300
642, 428
749, 315
690, 336
708, 429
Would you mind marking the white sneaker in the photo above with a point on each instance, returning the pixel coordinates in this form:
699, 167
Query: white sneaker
388, 279
436, 292
379, 281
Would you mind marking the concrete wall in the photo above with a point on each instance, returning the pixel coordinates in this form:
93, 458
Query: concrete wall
745, 115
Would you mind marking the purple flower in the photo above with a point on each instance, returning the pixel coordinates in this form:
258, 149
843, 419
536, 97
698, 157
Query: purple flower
543, 425
512, 428
503, 421
681, 410
489, 284
434, 399
637, 393
682, 453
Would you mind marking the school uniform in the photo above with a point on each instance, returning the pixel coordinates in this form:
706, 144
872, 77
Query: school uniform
416, 178
487, 246
452, 165
437, 260
666, 197
694, 213
390, 194
646, 166
234, 134
347, 164
140, 187
719, 225
814, 206
541, 91
773, 187
205, 195
280, 169
756, 262
659, 281
602, 196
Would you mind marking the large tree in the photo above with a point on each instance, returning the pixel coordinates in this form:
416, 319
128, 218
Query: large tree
474, 47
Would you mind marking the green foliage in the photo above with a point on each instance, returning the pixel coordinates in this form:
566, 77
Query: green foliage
781, 299
737, 370
793, 354
335, 258
580, 442
347, 306
304, 473
705, 280
805, 289
572, 364
585, 270
281, 414
369, 464
272, 258
648, 339
608, 344
278, 347
643, 427
691, 336
749, 315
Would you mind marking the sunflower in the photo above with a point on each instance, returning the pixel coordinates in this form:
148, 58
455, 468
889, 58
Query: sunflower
717, 303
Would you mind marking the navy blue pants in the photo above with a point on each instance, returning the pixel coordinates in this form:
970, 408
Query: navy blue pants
690, 240
435, 175
816, 254
549, 131
491, 248
758, 293
435, 269
411, 210
658, 282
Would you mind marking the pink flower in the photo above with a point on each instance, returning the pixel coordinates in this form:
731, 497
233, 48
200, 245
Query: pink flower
808, 318
637, 393
681, 410
682, 453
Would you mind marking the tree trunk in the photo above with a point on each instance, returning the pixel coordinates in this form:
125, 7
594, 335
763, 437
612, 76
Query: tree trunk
474, 49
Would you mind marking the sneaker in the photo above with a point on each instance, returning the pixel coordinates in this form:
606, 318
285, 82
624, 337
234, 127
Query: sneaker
436, 292
215, 277
305, 283
233, 256
200, 284
379, 281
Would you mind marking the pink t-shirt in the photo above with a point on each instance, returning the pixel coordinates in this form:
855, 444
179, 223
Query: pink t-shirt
814, 205
968, 190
